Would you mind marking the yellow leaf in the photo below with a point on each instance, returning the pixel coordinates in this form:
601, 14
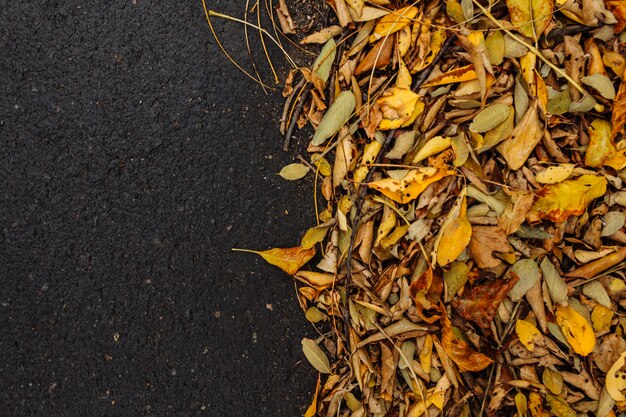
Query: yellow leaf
601, 317
399, 107
521, 403
600, 143
455, 233
312, 410
576, 330
554, 174
404, 79
432, 147
557, 202
616, 380
528, 334
535, 406
411, 186
314, 236
526, 135
455, 11
530, 17
393, 22
289, 260
617, 161
426, 353
457, 75
294, 172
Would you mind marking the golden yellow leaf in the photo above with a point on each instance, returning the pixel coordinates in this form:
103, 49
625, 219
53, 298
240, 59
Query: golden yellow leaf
432, 147
404, 79
617, 161
528, 334
314, 235
399, 107
412, 185
576, 330
616, 379
456, 75
312, 410
289, 260
618, 116
393, 22
426, 353
600, 144
526, 135
460, 352
554, 174
535, 405
530, 17
601, 317
455, 233
557, 202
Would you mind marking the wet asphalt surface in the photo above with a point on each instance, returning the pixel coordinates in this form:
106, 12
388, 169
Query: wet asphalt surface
133, 157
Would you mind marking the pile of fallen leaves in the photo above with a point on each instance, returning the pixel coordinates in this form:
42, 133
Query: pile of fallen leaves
469, 162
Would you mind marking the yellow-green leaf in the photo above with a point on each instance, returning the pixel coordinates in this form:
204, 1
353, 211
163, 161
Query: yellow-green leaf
530, 17
294, 172
315, 355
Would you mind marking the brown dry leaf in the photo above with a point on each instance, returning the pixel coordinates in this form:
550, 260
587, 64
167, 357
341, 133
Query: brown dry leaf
411, 186
610, 349
455, 233
460, 352
560, 201
322, 36
284, 18
481, 302
289, 260
487, 240
618, 117
526, 135
515, 214
530, 17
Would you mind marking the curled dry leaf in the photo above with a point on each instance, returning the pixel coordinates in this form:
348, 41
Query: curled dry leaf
411, 186
526, 135
399, 108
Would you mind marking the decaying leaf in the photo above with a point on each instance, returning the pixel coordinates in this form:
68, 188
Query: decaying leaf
486, 242
481, 302
399, 107
558, 202
411, 186
460, 352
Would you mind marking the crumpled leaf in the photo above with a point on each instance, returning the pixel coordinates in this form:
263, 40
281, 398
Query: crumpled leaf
460, 352
294, 172
455, 232
412, 185
399, 107
480, 304
558, 202
530, 17
315, 355
289, 260
337, 115
601, 143
393, 22
528, 334
576, 329
487, 240
526, 135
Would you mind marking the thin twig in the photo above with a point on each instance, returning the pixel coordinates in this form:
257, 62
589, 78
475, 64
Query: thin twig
294, 117
288, 101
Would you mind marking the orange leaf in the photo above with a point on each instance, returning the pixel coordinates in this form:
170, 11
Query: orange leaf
460, 352
289, 260
557, 202
457, 75
411, 186
481, 303
618, 117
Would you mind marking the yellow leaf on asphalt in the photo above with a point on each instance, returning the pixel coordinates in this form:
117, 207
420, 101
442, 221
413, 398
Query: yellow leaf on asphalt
294, 172
558, 202
412, 185
393, 22
530, 17
455, 233
315, 355
576, 330
289, 260
527, 333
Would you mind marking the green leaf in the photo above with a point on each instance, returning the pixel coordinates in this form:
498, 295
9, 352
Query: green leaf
528, 273
490, 117
557, 288
336, 116
315, 355
324, 62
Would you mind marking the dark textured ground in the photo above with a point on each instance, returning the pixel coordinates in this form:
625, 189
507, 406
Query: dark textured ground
133, 157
